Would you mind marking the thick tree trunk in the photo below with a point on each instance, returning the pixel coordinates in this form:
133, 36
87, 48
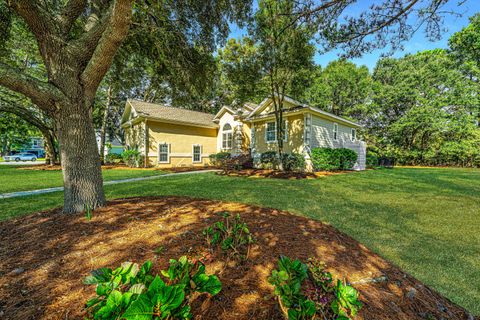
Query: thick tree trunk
82, 176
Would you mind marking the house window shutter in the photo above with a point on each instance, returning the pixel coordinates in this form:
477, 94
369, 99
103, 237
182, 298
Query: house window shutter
285, 131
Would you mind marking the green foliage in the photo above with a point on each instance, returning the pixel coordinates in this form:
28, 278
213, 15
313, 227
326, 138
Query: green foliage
231, 235
342, 88
269, 159
293, 161
88, 212
371, 159
113, 158
220, 159
133, 293
132, 158
330, 159
307, 290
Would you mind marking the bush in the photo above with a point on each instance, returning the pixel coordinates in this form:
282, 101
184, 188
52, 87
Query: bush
269, 159
220, 159
233, 236
132, 158
371, 160
113, 158
293, 162
132, 292
307, 291
333, 159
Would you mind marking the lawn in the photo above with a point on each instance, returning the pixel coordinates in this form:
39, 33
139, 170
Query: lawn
16, 178
426, 221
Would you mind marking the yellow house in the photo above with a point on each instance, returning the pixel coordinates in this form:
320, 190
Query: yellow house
172, 137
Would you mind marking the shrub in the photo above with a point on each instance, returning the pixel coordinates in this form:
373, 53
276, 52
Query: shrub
230, 235
132, 292
371, 160
113, 158
269, 159
132, 158
293, 161
220, 159
308, 290
330, 159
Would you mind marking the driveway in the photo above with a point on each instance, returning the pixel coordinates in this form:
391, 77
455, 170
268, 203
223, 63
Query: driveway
21, 163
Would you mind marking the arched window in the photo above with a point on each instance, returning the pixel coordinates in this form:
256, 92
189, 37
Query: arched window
227, 135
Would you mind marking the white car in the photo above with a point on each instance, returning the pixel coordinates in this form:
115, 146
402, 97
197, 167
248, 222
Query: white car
24, 156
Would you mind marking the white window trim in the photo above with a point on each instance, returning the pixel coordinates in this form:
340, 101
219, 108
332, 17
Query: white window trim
168, 152
353, 136
285, 137
193, 153
227, 132
335, 131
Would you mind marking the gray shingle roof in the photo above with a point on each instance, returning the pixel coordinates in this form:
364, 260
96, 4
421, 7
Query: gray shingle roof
162, 112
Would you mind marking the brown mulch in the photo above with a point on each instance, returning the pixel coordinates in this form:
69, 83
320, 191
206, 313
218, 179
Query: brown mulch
276, 174
44, 257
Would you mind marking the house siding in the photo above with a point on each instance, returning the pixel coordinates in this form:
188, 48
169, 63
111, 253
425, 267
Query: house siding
241, 132
294, 142
181, 139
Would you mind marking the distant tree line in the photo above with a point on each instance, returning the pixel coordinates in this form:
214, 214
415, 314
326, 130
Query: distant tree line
421, 109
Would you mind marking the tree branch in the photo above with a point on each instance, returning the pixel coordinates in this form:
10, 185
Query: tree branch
108, 45
27, 115
37, 18
41, 93
70, 13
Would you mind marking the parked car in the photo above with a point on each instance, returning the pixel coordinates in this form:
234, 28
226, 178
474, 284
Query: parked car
23, 156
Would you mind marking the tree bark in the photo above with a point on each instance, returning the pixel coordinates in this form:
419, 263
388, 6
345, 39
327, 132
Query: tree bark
82, 177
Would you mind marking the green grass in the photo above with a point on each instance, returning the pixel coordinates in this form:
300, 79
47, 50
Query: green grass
426, 221
13, 178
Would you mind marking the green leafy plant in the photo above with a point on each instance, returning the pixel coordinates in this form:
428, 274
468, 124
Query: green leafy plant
220, 159
269, 160
293, 161
307, 291
113, 158
230, 234
88, 212
331, 159
131, 292
132, 158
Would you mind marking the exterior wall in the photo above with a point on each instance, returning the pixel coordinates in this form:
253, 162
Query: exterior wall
181, 139
241, 134
135, 136
321, 135
294, 142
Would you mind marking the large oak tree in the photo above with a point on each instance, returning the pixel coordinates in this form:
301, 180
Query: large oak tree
77, 41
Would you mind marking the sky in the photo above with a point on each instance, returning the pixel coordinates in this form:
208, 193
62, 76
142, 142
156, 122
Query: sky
418, 42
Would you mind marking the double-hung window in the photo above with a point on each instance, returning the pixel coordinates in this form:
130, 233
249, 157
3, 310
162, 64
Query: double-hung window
335, 131
163, 153
271, 131
196, 153
354, 134
227, 136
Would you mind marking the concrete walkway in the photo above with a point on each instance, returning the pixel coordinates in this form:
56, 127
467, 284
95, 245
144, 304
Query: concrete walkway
106, 183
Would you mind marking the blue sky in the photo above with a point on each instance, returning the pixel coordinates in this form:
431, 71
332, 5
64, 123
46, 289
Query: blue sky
417, 43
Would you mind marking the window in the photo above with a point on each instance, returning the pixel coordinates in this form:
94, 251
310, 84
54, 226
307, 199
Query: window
271, 131
197, 153
335, 131
354, 135
163, 153
227, 136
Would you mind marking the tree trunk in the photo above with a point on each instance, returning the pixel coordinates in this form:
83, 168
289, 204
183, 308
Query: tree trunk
103, 130
51, 153
82, 175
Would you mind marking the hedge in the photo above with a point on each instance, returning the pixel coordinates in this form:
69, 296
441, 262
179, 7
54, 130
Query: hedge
330, 159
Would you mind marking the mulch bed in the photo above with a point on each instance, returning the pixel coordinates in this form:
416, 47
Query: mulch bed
44, 257
268, 173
